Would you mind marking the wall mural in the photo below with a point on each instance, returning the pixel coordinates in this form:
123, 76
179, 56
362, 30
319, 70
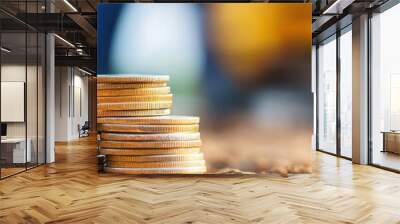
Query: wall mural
243, 68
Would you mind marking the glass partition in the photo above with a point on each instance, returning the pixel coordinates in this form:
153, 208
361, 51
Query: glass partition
22, 88
41, 97
15, 151
32, 95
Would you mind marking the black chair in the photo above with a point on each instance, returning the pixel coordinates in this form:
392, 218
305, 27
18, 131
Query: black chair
84, 130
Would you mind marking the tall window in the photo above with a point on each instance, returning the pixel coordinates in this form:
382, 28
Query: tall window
327, 95
346, 93
385, 89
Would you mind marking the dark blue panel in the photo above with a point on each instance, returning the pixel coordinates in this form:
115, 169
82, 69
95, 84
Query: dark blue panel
107, 17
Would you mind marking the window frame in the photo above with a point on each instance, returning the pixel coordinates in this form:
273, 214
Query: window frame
333, 37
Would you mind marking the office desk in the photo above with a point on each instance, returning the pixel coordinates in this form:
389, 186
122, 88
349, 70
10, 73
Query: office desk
391, 141
13, 150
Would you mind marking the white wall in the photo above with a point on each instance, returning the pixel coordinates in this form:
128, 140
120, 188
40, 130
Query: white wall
62, 81
16, 73
80, 109
70, 83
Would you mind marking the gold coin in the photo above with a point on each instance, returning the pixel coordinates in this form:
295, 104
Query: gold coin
186, 170
134, 106
139, 152
130, 113
131, 78
129, 85
168, 164
157, 158
142, 128
171, 119
134, 92
150, 137
120, 99
152, 144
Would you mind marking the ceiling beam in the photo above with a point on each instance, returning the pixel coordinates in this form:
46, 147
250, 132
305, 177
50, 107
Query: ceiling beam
79, 61
86, 27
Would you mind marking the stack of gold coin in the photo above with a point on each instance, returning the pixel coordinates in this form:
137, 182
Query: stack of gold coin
139, 95
136, 133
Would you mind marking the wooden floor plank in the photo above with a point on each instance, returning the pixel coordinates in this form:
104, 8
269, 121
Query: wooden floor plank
71, 191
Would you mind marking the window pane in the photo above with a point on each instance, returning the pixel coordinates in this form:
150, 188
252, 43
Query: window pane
15, 151
41, 98
346, 94
327, 96
23, 89
386, 89
31, 97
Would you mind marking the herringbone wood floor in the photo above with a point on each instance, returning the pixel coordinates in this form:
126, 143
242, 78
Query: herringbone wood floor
71, 191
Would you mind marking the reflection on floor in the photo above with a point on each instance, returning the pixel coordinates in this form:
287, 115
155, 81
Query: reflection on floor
10, 170
71, 191
386, 159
